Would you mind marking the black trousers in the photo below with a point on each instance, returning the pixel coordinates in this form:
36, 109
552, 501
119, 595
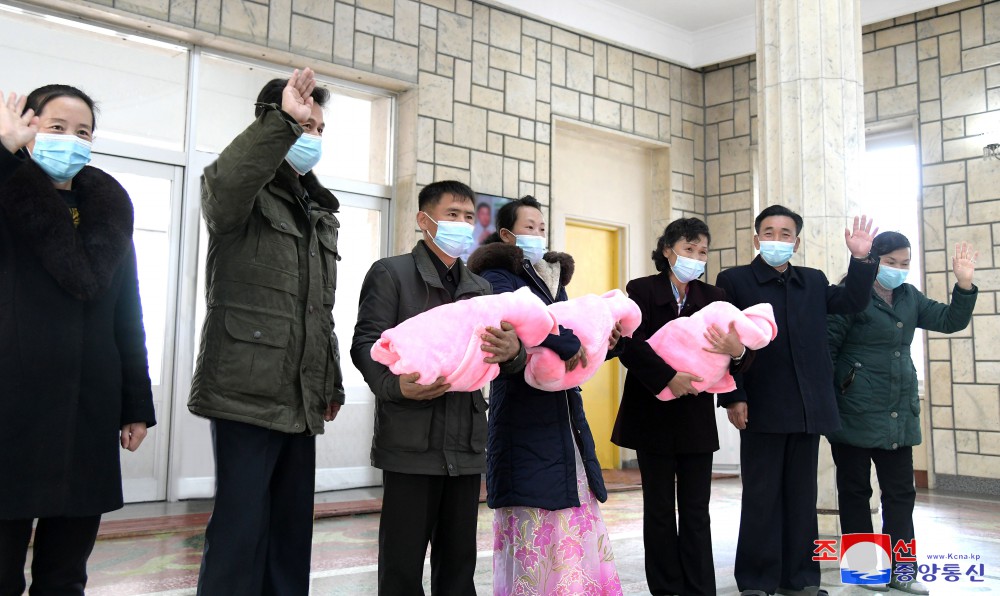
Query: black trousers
59, 558
854, 489
417, 509
678, 549
259, 538
778, 525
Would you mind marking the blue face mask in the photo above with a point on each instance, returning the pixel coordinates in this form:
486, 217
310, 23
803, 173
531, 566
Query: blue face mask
454, 238
686, 269
776, 253
305, 153
532, 246
891, 278
60, 156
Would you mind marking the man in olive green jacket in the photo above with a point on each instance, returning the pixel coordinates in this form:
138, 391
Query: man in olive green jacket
268, 374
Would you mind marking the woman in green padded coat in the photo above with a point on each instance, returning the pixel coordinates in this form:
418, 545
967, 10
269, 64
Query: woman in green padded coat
876, 386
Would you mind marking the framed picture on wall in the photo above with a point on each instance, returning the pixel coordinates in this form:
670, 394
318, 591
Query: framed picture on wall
485, 222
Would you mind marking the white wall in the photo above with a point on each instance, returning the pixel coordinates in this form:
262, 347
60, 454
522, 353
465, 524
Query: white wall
604, 177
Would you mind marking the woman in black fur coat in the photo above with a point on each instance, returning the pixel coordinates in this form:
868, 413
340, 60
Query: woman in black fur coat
74, 377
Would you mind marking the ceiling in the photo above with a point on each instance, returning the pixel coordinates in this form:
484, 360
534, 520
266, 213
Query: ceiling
687, 14
693, 33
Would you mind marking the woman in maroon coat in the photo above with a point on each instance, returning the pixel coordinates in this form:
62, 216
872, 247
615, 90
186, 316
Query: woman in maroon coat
673, 439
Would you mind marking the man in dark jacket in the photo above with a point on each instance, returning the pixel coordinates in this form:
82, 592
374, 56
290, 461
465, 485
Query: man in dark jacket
269, 370
789, 393
429, 442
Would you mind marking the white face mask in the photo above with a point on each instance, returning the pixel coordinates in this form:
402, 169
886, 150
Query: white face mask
533, 247
776, 253
454, 238
305, 153
61, 156
891, 277
687, 269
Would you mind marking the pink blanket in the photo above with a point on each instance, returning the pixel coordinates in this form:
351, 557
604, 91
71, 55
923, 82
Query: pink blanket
445, 341
679, 343
591, 318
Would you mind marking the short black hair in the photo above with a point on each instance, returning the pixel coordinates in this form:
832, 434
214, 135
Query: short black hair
777, 211
887, 242
39, 97
432, 193
271, 94
480, 206
688, 228
507, 215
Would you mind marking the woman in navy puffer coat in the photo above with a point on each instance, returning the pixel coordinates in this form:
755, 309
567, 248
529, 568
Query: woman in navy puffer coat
542, 473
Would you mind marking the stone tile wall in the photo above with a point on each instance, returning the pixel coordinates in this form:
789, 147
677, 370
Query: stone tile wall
485, 85
730, 161
941, 67
488, 84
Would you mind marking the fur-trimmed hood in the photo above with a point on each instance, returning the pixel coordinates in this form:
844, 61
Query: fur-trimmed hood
82, 260
499, 255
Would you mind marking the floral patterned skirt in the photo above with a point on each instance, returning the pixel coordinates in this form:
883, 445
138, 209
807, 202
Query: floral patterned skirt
541, 552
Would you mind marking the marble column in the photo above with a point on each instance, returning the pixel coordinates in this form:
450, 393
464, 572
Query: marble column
811, 111
404, 232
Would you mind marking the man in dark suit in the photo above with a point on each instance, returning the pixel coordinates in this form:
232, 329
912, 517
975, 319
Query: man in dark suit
789, 391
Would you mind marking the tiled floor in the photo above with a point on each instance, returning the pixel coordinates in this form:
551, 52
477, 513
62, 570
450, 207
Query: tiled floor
344, 553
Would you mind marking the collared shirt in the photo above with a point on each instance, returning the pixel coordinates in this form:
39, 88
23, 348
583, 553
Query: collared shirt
447, 275
677, 297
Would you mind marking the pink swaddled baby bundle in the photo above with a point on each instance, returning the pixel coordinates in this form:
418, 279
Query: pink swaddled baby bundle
446, 341
591, 318
679, 343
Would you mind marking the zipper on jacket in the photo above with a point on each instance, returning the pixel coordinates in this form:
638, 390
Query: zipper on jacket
535, 279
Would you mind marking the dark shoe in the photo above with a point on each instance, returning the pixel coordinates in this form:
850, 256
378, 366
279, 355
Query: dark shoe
754, 593
910, 587
806, 591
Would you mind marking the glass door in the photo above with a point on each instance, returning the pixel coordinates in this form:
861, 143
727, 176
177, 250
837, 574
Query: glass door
155, 192
342, 454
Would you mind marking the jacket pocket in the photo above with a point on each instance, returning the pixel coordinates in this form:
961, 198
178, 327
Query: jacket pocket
478, 433
844, 374
252, 357
405, 427
279, 236
858, 396
327, 235
848, 380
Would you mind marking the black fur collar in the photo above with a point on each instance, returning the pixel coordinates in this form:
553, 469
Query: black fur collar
286, 177
499, 255
318, 192
82, 260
